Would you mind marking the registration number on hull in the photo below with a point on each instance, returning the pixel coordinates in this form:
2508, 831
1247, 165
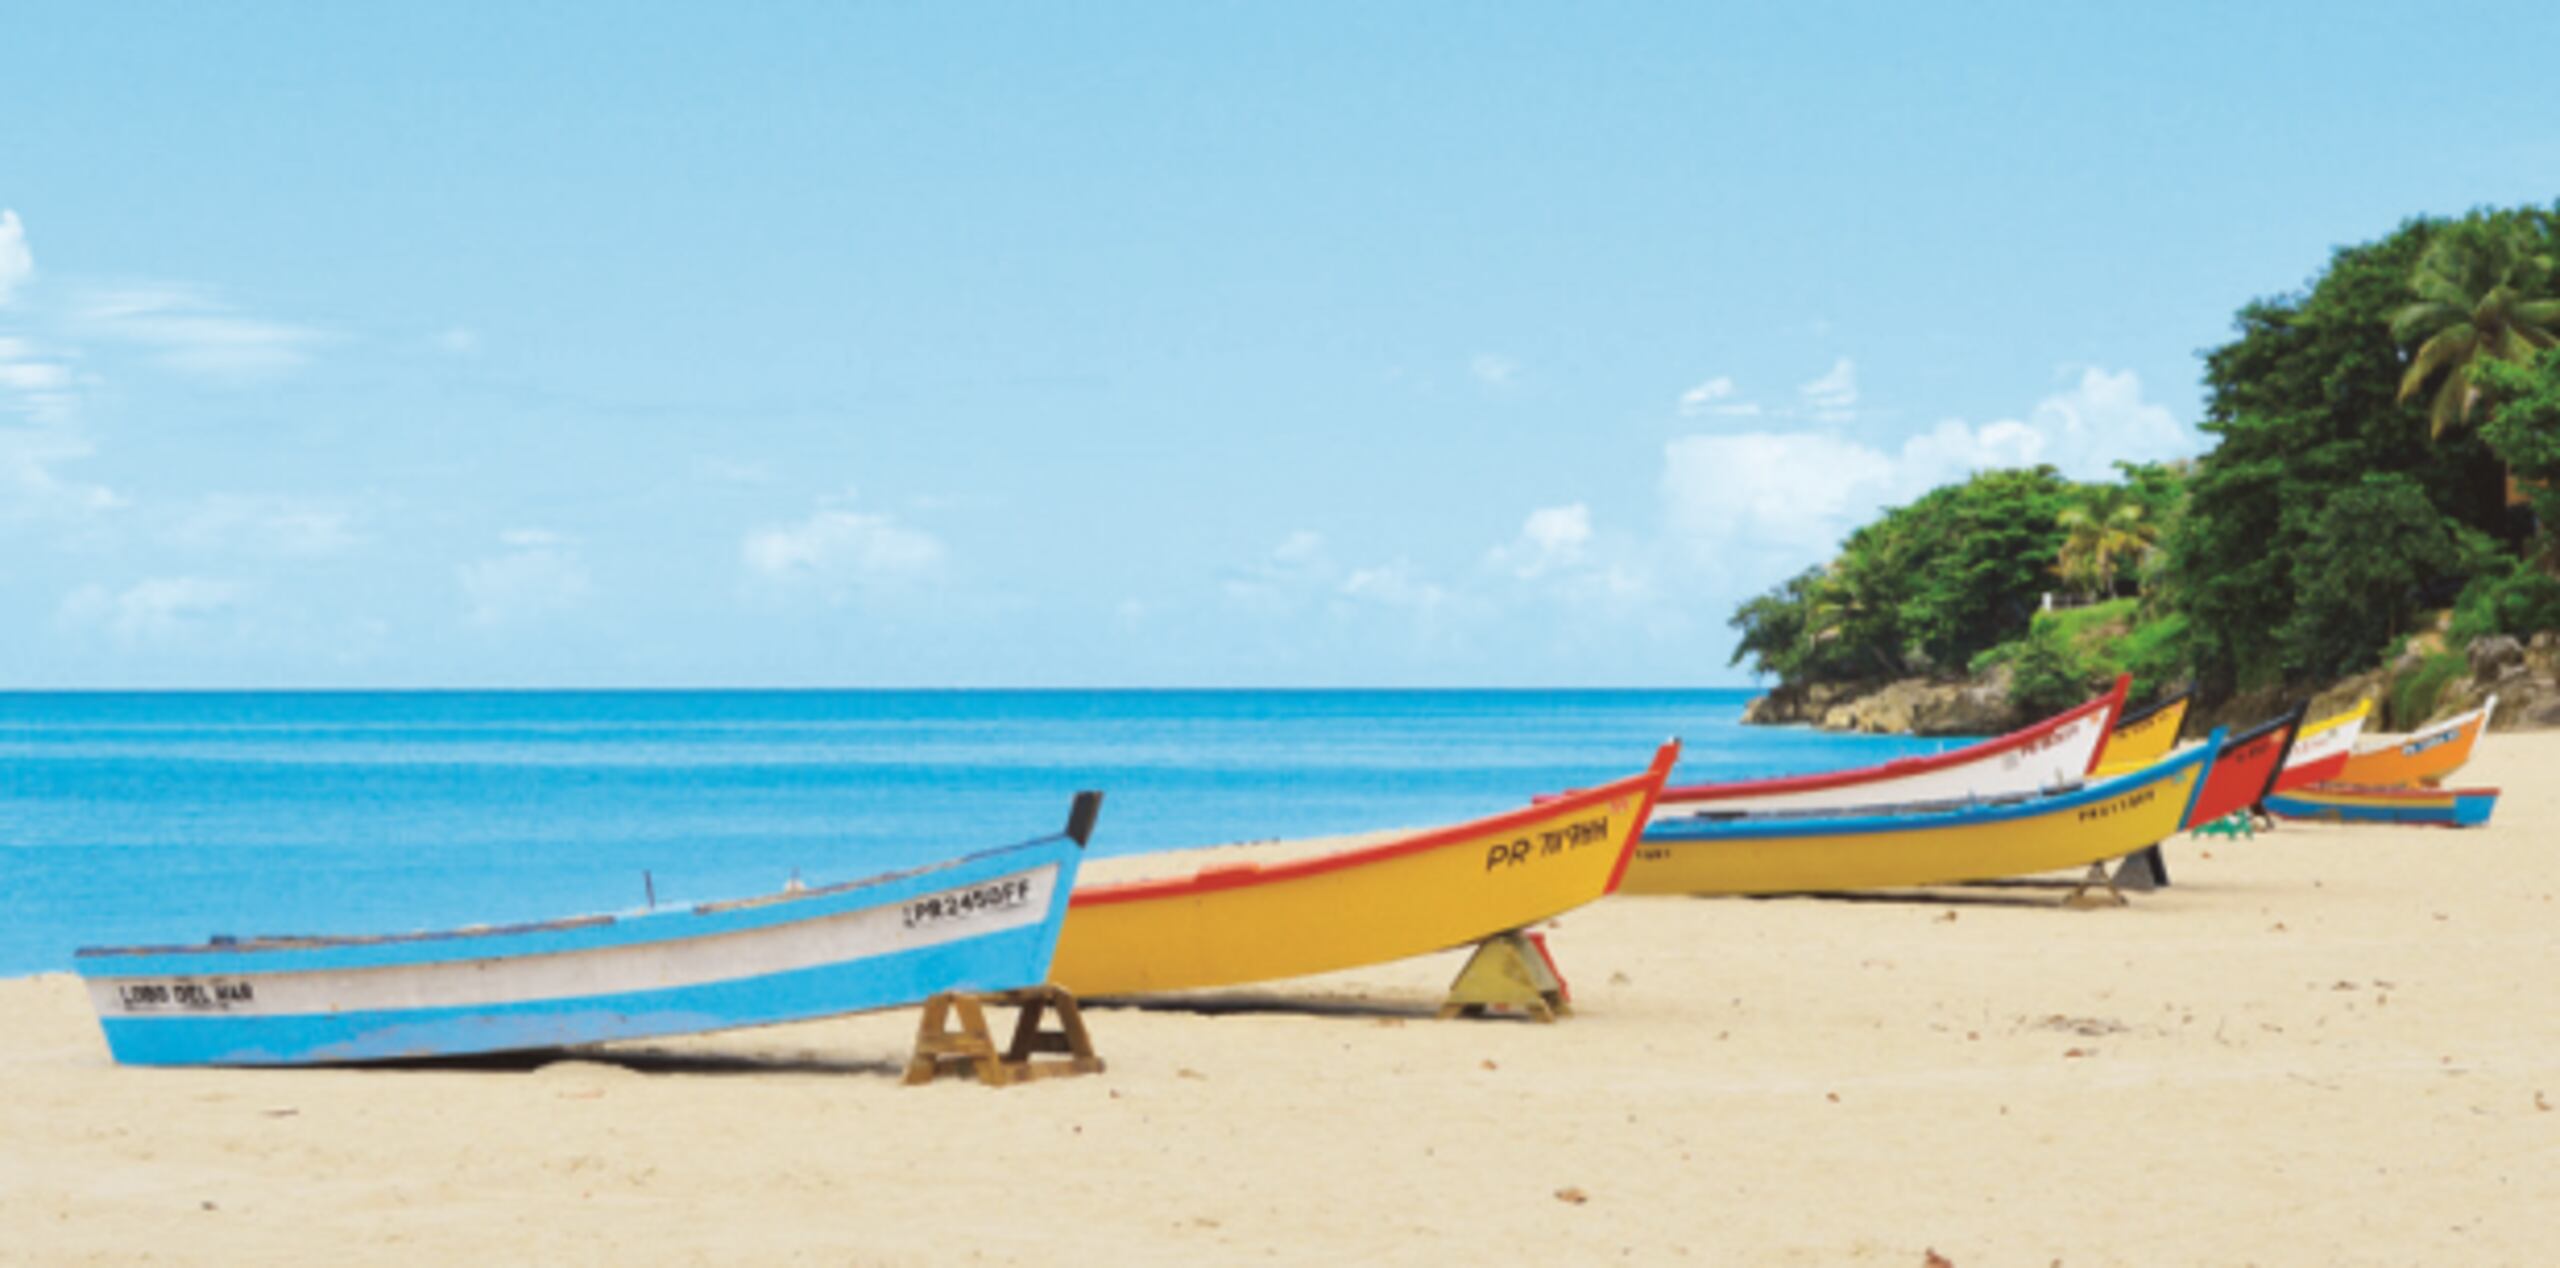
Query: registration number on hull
186, 995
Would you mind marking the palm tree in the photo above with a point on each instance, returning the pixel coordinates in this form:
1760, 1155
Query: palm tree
2099, 535
2482, 296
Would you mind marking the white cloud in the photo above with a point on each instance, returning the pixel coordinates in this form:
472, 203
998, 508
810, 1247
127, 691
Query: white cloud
1552, 538
1297, 567
1762, 504
1393, 585
191, 332
30, 487
1833, 398
461, 341
838, 550
2101, 419
1715, 396
540, 573
264, 525
1781, 493
1494, 370
17, 263
156, 610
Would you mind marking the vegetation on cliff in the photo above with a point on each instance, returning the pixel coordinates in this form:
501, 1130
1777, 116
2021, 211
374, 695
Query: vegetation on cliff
2387, 448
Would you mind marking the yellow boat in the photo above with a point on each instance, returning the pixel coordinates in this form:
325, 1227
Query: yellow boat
2143, 737
1441, 888
1929, 844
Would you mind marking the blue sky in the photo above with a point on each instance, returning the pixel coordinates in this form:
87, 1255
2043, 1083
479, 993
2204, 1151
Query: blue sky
1119, 345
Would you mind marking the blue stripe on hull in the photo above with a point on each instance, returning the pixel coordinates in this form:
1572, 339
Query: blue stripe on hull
1001, 961
1818, 823
2467, 812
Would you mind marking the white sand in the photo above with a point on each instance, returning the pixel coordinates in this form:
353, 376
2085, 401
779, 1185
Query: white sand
2329, 1045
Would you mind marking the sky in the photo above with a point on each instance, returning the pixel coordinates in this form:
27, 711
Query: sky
1120, 345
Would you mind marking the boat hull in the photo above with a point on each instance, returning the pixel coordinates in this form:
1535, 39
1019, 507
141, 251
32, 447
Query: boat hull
985, 922
2143, 738
2443, 807
1779, 854
1236, 925
2056, 752
2244, 771
2424, 758
2321, 751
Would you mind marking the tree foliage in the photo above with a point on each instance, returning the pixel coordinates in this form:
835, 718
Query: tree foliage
2364, 430
1927, 587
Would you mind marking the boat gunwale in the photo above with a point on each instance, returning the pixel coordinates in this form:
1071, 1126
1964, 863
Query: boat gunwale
651, 926
2111, 702
2341, 718
2429, 735
1215, 879
2150, 711
1703, 830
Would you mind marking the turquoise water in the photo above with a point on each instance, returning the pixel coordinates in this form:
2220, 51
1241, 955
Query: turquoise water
159, 817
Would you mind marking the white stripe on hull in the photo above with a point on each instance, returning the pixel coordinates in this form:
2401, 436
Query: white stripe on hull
2337, 739
2055, 760
992, 906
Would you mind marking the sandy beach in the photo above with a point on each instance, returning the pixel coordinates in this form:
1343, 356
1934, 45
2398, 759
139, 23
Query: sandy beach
2327, 1045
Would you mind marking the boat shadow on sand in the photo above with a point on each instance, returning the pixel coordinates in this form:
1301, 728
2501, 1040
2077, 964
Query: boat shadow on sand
2032, 893
1253, 1003
647, 1061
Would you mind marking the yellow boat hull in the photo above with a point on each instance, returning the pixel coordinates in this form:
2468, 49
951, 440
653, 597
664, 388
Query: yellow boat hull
2141, 741
1229, 926
1790, 854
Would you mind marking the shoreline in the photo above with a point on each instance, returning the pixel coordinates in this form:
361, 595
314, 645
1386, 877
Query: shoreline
2293, 1055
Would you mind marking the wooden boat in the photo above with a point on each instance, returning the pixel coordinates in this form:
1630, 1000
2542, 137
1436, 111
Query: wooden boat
2351, 803
2424, 758
2143, 736
2054, 753
1926, 844
2245, 771
2320, 752
986, 921
1241, 923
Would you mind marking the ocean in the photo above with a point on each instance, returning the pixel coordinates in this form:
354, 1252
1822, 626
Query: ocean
171, 816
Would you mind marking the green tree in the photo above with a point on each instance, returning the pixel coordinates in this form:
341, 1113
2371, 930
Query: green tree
2100, 534
2524, 430
2483, 287
2371, 549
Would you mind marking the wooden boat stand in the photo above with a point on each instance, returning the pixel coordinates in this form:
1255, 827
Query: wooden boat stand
972, 1047
1510, 973
2084, 895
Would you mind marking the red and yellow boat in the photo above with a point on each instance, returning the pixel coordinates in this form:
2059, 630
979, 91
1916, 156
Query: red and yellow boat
2423, 758
2321, 749
1239, 923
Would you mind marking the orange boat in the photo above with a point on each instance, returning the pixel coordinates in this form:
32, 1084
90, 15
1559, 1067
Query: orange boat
2424, 758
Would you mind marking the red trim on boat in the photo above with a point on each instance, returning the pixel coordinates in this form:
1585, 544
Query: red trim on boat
1664, 759
1236, 875
2313, 772
2112, 703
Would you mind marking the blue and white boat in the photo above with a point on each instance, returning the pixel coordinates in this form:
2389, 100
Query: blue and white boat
986, 921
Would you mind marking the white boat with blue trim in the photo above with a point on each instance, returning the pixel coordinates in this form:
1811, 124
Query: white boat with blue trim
986, 921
